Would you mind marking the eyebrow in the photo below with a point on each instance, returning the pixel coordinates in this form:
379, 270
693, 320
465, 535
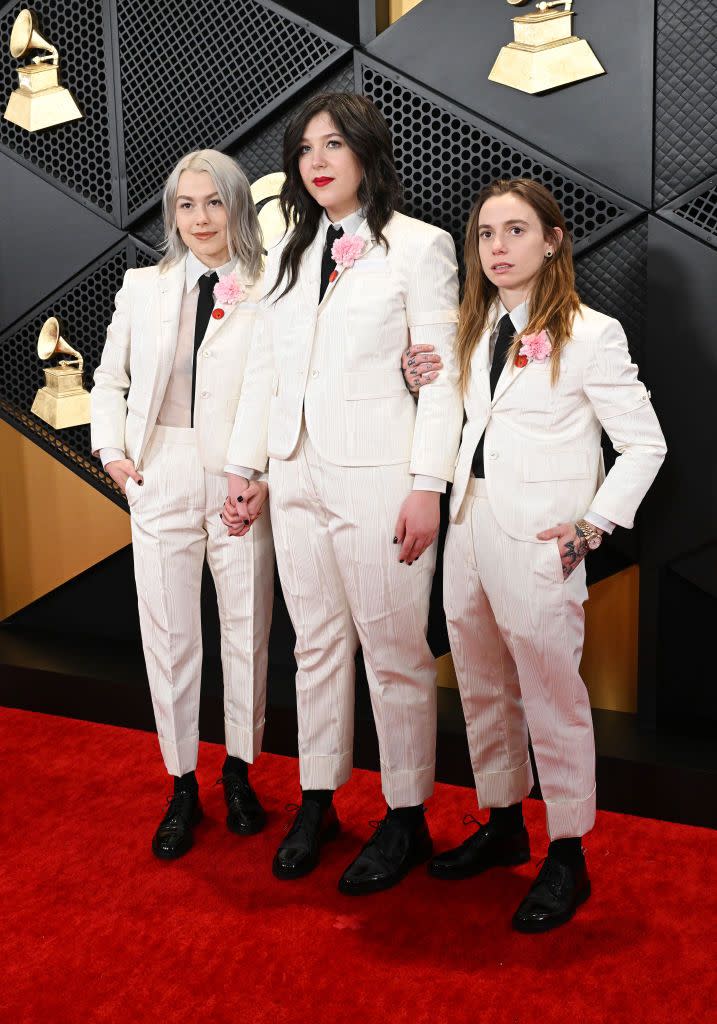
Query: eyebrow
327, 136
192, 198
507, 222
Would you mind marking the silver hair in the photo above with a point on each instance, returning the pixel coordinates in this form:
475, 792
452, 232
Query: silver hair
243, 232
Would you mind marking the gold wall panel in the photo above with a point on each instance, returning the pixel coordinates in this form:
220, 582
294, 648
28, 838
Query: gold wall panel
53, 525
609, 665
388, 11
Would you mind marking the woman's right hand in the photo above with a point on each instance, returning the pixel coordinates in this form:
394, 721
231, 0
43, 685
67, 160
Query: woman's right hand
420, 365
121, 470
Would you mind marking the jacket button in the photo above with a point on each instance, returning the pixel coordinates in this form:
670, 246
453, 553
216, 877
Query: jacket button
205, 394
207, 355
492, 455
314, 373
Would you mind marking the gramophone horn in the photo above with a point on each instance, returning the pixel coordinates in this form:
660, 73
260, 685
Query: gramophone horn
50, 342
26, 36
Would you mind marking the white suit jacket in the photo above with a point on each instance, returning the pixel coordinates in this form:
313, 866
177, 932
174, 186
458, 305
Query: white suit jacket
542, 455
338, 363
137, 360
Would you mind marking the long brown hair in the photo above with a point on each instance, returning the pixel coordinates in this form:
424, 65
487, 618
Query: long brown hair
367, 133
553, 301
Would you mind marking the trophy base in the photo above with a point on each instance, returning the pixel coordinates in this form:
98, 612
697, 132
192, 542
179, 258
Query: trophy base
537, 69
59, 411
35, 111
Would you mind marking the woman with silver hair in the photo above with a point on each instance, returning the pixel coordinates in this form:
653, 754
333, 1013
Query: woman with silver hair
163, 406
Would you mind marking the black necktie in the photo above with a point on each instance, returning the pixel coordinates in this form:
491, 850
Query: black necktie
506, 333
205, 305
327, 261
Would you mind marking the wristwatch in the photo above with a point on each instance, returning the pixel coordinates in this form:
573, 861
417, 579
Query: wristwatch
591, 534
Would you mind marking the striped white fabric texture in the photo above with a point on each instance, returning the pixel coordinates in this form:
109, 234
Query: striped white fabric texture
343, 584
516, 631
175, 525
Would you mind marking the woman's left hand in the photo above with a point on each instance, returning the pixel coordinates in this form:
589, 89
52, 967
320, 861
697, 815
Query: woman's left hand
420, 365
572, 545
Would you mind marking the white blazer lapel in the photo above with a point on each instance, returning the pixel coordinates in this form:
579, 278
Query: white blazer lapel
171, 291
363, 232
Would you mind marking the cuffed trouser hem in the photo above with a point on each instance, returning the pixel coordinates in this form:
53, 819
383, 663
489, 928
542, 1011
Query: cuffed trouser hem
570, 818
407, 788
243, 743
180, 758
325, 771
503, 789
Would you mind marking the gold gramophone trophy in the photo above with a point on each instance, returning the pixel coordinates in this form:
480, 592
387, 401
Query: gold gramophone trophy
63, 402
545, 54
265, 193
40, 101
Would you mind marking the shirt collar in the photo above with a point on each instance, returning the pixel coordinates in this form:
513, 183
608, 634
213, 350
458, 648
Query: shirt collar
195, 268
350, 224
519, 316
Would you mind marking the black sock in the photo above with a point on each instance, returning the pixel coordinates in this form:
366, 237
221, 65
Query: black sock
184, 783
507, 819
410, 816
567, 851
235, 766
322, 797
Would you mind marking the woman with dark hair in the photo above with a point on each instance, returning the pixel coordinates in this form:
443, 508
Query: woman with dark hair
355, 469
541, 375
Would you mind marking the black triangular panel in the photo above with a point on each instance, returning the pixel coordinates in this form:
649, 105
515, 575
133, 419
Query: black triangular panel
696, 211
80, 157
200, 74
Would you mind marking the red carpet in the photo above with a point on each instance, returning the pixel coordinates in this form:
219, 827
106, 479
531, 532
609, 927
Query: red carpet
94, 929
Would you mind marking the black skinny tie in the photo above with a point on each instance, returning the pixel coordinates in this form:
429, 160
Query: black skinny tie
205, 305
506, 333
327, 261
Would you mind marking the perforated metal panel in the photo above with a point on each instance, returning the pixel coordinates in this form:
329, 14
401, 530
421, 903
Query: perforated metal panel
696, 211
685, 96
78, 156
198, 73
260, 152
445, 157
85, 306
613, 279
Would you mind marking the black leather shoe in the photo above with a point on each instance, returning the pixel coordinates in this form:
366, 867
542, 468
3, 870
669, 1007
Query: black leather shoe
174, 836
387, 857
486, 848
245, 815
554, 897
298, 854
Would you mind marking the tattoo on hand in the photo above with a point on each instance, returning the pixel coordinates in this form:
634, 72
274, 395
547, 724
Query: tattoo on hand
575, 551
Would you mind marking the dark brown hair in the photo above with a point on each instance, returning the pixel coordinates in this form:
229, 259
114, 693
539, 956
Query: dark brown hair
366, 133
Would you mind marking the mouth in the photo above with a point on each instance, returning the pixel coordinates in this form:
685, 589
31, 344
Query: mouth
204, 235
501, 268
321, 182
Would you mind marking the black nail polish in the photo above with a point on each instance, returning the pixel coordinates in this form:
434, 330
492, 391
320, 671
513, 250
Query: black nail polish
140, 482
401, 561
395, 540
246, 522
239, 499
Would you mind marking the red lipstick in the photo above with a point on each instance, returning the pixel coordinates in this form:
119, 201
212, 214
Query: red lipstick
320, 182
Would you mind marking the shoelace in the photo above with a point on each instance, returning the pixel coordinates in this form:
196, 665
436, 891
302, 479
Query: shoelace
469, 819
172, 811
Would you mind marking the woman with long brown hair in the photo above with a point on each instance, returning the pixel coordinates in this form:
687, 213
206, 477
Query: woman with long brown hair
541, 375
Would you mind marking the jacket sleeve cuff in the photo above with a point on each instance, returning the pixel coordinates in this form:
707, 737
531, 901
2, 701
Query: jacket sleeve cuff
606, 525
429, 483
111, 455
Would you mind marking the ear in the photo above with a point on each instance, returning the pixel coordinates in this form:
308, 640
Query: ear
557, 237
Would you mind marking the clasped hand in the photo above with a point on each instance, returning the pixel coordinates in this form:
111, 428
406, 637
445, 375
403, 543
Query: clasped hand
243, 505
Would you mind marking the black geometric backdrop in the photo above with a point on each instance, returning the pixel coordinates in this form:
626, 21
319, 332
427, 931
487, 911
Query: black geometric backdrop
157, 80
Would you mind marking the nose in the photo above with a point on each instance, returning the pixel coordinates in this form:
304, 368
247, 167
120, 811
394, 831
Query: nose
498, 244
318, 160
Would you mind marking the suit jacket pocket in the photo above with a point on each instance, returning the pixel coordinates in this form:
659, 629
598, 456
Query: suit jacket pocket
543, 467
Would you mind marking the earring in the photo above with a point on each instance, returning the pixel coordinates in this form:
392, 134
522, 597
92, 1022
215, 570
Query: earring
548, 254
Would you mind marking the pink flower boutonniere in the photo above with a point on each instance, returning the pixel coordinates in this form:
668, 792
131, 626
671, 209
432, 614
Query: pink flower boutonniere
347, 249
535, 348
229, 290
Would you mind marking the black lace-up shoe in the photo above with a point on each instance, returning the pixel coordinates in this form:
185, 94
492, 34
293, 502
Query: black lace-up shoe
174, 836
298, 853
486, 848
388, 856
245, 814
554, 897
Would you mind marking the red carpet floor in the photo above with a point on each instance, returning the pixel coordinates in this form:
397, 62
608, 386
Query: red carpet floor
94, 929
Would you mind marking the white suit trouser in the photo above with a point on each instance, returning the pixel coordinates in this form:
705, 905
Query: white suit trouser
516, 631
175, 524
333, 530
